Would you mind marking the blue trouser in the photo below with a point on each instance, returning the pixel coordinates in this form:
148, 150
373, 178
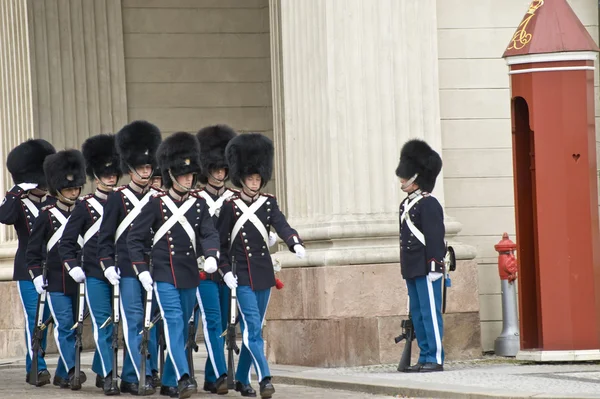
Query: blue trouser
253, 307
64, 308
133, 298
29, 299
176, 307
214, 322
98, 294
426, 311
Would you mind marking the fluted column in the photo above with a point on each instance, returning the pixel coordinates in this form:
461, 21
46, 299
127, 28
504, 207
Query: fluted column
360, 78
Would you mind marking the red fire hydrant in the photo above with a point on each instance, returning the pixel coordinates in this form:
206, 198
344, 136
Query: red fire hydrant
507, 263
508, 343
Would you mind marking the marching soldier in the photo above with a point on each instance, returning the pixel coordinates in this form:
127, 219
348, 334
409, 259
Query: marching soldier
156, 180
244, 224
213, 293
102, 167
20, 208
179, 220
422, 250
136, 144
65, 173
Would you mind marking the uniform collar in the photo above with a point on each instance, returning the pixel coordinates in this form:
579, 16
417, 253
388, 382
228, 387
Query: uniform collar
137, 189
214, 190
176, 196
248, 198
35, 198
64, 207
101, 194
415, 193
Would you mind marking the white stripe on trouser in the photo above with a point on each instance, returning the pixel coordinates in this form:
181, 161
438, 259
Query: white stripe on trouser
166, 329
211, 354
95, 330
436, 328
247, 343
126, 337
27, 332
49, 298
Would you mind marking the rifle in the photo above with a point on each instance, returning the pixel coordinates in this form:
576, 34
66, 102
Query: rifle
231, 334
38, 331
408, 334
191, 345
116, 319
162, 344
145, 335
76, 385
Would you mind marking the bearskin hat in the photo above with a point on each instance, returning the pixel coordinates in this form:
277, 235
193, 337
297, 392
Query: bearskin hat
25, 161
101, 157
65, 169
157, 172
248, 154
137, 143
418, 157
213, 140
179, 154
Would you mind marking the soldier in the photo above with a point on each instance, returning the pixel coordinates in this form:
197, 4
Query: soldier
20, 208
102, 167
179, 220
244, 225
422, 250
213, 293
156, 180
65, 173
136, 144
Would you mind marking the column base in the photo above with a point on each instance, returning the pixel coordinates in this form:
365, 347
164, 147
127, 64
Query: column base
559, 356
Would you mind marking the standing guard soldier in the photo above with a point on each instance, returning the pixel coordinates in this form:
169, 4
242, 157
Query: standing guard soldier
244, 225
102, 167
180, 220
65, 173
213, 293
20, 208
136, 144
422, 250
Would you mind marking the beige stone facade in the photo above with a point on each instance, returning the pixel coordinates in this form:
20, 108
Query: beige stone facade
339, 85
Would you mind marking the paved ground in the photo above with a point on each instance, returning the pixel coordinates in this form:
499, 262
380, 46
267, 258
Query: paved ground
489, 377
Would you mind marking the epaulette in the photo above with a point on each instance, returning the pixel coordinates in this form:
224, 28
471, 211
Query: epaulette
269, 195
159, 194
234, 190
233, 197
45, 208
120, 188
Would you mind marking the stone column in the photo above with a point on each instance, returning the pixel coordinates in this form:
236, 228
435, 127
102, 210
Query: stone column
359, 78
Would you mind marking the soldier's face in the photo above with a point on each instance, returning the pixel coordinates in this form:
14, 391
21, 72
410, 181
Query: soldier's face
109, 180
216, 176
71, 193
408, 189
156, 182
253, 182
144, 171
186, 180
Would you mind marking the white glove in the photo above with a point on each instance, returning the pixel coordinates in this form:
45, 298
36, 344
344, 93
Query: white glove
146, 280
210, 265
230, 280
112, 276
434, 276
77, 274
39, 284
27, 186
272, 239
300, 251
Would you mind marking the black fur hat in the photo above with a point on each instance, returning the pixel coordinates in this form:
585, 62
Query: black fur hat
25, 161
247, 154
65, 169
101, 157
418, 157
157, 172
137, 143
213, 140
180, 154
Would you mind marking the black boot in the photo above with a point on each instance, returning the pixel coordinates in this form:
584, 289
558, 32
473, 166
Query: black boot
156, 383
147, 388
43, 378
414, 368
221, 385
266, 388
108, 387
171, 392
99, 381
209, 387
245, 389
129, 387
75, 383
186, 387
431, 367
